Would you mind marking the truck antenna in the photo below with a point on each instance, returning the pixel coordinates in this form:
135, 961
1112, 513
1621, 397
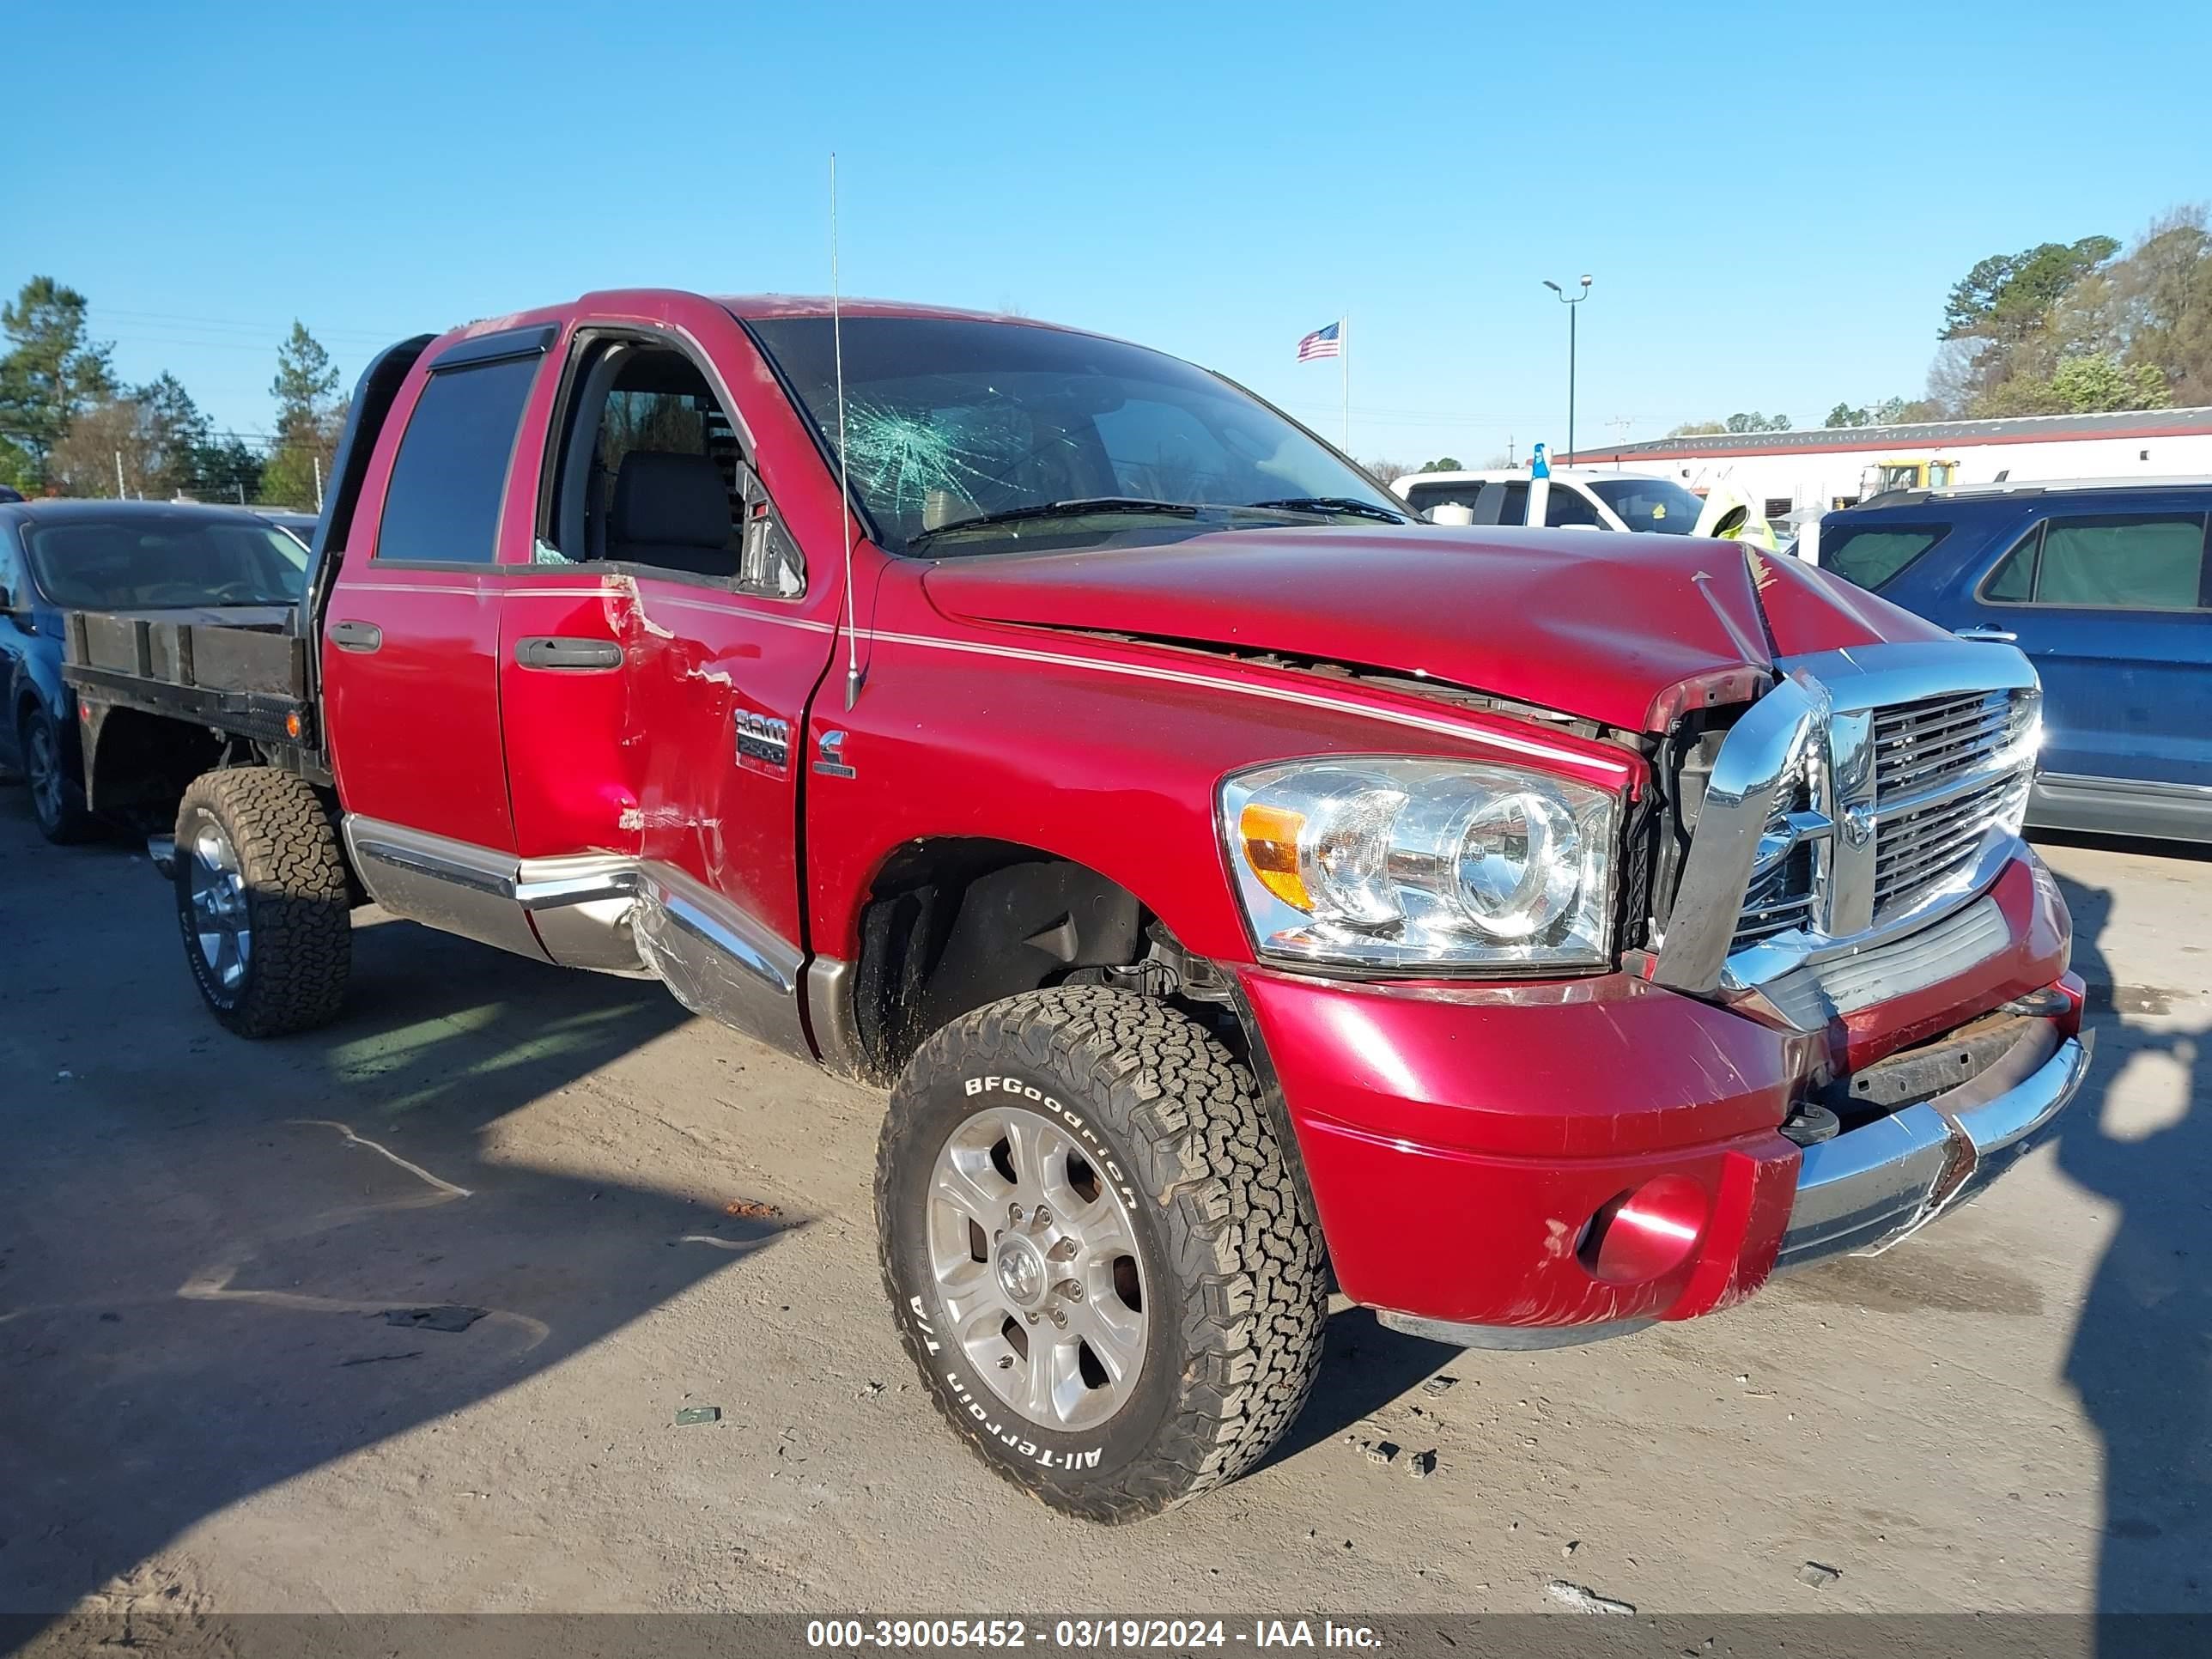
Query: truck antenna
844, 482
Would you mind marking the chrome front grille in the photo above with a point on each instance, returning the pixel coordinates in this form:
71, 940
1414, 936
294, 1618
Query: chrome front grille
1936, 796
1781, 897
1924, 746
1866, 796
1780, 901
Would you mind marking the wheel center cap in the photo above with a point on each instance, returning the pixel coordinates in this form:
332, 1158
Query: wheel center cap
1021, 1272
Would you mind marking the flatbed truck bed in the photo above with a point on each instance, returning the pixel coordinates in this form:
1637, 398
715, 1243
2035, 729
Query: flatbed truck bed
234, 682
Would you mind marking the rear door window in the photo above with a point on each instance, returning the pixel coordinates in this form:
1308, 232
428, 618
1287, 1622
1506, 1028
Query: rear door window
1876, 554
442, 504
1424, 497
2013, 582
2142, 561
1502, 503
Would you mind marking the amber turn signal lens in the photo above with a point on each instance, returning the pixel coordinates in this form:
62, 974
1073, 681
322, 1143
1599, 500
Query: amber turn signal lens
292, 725
1270, 836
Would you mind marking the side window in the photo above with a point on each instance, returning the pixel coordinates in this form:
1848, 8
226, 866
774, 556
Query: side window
652, 473
2013, 582
1568, 508
1502, 503
14, 595
1873, 557
1423, 497
2143, 562
443, 505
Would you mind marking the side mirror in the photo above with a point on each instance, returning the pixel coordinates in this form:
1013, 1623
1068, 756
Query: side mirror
21, 616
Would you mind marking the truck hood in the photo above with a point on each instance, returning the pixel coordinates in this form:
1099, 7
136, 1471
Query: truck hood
1592, 623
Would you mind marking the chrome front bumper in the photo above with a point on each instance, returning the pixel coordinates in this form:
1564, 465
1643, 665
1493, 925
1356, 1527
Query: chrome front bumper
1864, 1191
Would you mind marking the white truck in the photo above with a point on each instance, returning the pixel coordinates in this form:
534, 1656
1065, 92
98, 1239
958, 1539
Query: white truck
1567, 497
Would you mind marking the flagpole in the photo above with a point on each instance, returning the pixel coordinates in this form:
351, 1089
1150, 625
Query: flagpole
1344, 356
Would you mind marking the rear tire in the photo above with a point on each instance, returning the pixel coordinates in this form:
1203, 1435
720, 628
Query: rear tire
262, 901
57, 793
1107, 1143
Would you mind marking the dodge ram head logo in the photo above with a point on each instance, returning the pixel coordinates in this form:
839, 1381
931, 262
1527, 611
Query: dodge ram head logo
763, 742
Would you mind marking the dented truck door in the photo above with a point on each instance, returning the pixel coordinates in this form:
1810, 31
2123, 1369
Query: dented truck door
659, 650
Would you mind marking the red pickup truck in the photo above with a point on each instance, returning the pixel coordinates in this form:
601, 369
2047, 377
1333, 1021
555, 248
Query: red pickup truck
1238, 885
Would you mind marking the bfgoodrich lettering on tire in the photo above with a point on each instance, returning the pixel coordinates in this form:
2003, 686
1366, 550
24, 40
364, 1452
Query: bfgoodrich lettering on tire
262, 901
1096, 1252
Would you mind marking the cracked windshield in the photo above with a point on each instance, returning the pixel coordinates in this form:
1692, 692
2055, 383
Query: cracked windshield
969, 436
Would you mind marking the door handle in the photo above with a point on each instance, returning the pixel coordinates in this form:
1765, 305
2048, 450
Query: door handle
543, 651
356, 635
1995, 636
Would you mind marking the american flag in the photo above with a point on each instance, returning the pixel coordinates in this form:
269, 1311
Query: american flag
1322, 342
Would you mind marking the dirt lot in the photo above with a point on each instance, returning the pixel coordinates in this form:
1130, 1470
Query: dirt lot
205, 1401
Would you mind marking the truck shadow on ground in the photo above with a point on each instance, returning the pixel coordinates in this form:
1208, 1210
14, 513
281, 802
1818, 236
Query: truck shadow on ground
1365, 1366
2141, 1139
223, 1263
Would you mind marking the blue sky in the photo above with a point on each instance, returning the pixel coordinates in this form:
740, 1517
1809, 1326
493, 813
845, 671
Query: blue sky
1773, 200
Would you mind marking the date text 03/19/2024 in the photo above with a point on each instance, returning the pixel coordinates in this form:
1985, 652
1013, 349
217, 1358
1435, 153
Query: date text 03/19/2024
1084, 1635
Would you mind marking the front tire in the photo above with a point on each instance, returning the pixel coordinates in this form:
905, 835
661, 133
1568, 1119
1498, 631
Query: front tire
1096, 1252
262, 901
57, 795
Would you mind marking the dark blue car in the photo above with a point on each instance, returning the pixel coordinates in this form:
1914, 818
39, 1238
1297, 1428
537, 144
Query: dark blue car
2108, 589
109, 556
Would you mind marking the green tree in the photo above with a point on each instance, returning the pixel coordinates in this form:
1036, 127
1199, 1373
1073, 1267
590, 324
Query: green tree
1900, 412
308, 417
1443, 463
19, 468
101, 454
305, 388
176, 435
289, 479
1890, 411
2006, 297
2162, 303
227, 469
50, 372
1755, 422
2078, 385
1698, 429
2084, 328
148, 444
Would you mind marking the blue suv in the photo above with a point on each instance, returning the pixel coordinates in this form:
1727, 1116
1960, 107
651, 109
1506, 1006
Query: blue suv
2108, 589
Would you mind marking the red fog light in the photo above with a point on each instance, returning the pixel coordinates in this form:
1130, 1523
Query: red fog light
1643, 1232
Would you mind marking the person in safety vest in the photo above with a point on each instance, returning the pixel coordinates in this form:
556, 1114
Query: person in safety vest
1728, 515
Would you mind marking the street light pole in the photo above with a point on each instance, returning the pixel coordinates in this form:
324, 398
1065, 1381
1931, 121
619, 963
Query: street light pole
1571, 303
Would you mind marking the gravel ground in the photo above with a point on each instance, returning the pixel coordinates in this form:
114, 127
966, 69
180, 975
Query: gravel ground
230, 1378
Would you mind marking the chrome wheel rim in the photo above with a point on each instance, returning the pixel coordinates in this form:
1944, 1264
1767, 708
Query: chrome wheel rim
220, 924
42, 763
1037, 1268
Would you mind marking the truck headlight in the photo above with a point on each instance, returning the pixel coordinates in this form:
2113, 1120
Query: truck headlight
1423, 865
